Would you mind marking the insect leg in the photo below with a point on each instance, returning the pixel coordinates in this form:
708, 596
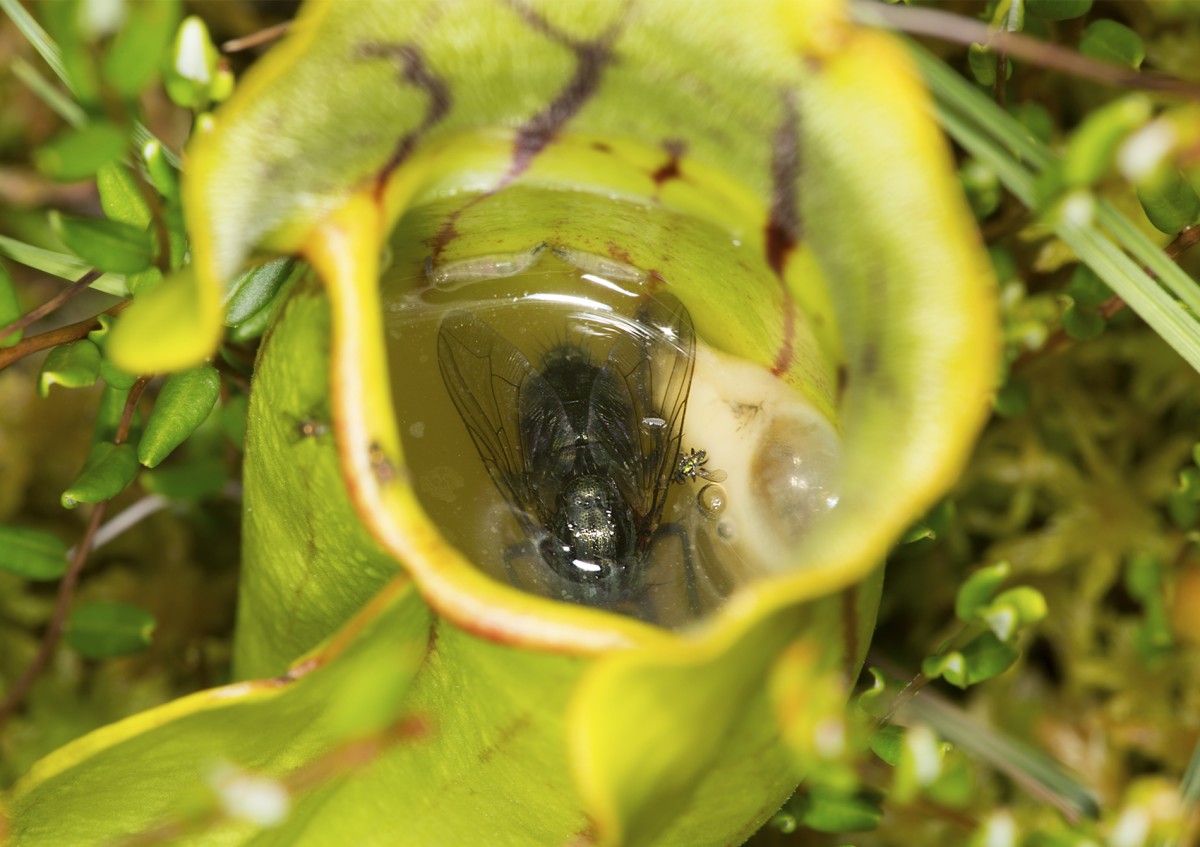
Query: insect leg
513, 552
689, 566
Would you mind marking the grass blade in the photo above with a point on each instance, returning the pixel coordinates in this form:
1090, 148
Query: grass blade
62, 265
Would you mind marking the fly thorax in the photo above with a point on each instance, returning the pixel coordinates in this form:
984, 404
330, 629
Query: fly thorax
594, 519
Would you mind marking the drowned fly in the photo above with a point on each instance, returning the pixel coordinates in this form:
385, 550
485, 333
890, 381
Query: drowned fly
583, 452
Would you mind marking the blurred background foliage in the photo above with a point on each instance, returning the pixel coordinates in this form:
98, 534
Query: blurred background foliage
1086, 482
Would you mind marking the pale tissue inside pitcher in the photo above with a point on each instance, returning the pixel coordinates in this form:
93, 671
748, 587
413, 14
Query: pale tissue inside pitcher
568, 431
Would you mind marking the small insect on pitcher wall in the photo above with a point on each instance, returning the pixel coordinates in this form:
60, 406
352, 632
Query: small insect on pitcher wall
645, 329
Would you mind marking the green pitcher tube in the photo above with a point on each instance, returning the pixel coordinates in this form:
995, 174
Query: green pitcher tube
748, 202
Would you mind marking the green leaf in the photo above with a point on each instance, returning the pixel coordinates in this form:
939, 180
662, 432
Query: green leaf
981, 187
170, 327
876, 699
108, 245
107, 472
109, 412
10, 308
193, 65
919, 764
253, 290
1009, 15
103, 630
833, 812
74, 365
917, 532
120, 197
195, 481
32, 553
184, 402
1110, 41
984, 657
1035, 118
978, 590
162, 173
76, 154
1169, 200
1013, 610
1090, 151
135, 54
1058, 10
887, 742
1086, 288
982, 62
1080, 322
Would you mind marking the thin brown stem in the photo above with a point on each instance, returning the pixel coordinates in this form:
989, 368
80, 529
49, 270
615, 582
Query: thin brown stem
947, 26
255, 39
55, 337
70, 581
903, 696
35, 315
158, 217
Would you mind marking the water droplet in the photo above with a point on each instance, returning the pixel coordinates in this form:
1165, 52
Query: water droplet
711, 500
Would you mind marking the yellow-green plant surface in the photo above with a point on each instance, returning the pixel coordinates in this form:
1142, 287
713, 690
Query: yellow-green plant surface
450, 709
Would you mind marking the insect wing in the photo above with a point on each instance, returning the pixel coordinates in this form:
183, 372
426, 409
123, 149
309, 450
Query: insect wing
636, 412
548, 441
484, 375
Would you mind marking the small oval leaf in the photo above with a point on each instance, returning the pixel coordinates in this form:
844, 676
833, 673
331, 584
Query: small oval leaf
1169, 201
109, 413
103, 630
108, 245
184, 402
1110, 41
193, 65
74, 365
120, 197
979, 589
136, 52
1086, 288
253, 290
107, 472
76, 154
162, 174
827, 811
987, 656
32, 553
1093, 146
10, 308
